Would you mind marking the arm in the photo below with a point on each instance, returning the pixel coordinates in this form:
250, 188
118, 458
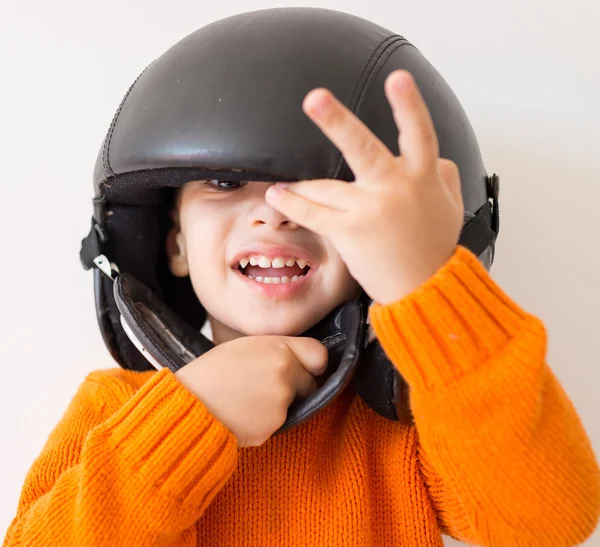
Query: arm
503, 451
125, 467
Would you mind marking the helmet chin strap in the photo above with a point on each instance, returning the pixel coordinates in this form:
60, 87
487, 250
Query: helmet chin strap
167, 341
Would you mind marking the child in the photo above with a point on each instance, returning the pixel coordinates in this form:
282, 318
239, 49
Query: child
187, 455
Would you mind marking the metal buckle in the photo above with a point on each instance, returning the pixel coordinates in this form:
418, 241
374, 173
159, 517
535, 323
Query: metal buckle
107, 267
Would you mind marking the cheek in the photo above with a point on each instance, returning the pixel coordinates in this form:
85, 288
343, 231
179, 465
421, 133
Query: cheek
349, 287
206, 234
339, 276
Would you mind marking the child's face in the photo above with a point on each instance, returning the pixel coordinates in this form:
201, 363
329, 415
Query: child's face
215, 229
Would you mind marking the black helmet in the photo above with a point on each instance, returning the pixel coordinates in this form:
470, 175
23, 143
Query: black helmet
225, 103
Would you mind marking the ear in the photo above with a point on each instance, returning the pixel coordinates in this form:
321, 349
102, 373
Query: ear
176, 249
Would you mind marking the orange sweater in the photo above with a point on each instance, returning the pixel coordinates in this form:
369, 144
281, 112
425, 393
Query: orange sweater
497, 455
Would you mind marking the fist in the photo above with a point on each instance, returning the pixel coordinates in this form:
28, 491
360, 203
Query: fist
249, 383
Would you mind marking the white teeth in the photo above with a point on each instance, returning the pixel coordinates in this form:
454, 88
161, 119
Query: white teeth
264, 262
276, 280
277, 262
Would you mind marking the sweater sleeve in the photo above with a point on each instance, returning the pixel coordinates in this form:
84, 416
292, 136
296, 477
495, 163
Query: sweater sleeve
504, 454
125, 467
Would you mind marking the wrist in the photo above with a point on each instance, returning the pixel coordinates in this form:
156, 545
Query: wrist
410, 279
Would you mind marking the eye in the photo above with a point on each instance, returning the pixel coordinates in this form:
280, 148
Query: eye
225, 185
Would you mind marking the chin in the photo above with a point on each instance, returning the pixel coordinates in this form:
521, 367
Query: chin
273, 330
286, 325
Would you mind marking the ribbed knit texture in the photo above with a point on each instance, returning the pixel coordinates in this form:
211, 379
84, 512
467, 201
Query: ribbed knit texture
497, 455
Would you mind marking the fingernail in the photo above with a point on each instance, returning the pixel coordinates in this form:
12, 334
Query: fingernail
274, 189
282, 184
320, 104
401, 81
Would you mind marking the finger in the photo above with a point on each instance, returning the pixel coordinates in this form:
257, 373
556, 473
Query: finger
418, 141
332, 193
311, 361
307, 213
304, 384
365, 154
310, 353
450, 174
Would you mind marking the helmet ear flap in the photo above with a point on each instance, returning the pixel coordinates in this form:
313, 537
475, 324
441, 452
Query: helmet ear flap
381, 386
377, 381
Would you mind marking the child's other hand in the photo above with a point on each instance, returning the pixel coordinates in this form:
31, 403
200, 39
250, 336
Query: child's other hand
400, 221
249, 383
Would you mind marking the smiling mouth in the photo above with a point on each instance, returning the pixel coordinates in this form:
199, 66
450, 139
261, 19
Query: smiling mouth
278, 271
274, 276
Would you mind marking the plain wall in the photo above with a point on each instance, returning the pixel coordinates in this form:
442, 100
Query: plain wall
526, 73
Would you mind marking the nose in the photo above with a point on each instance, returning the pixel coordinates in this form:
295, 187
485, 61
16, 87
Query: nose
262, 214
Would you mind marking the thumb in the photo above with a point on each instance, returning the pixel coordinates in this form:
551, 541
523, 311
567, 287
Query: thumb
309, 352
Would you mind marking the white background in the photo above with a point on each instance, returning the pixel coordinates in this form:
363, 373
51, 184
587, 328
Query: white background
526, 73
